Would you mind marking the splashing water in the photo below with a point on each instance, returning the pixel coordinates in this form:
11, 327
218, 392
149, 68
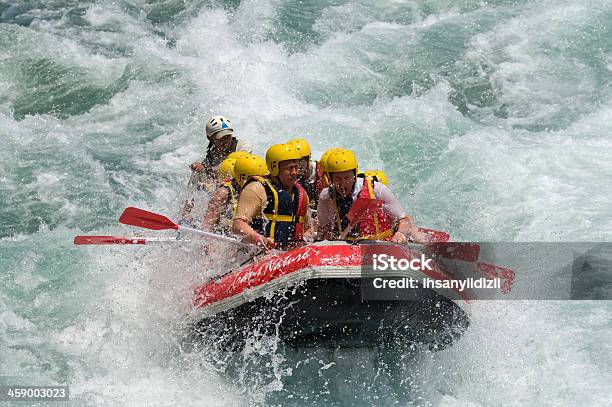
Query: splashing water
492, 120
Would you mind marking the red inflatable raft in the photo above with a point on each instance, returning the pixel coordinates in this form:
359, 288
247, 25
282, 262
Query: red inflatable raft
324, 295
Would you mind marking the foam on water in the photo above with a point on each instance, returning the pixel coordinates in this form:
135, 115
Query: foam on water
531, 353
492, 120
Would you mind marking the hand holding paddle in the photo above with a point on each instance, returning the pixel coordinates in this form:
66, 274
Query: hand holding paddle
149, 220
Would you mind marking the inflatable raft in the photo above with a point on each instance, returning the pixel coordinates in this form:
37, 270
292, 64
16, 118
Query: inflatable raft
323, 295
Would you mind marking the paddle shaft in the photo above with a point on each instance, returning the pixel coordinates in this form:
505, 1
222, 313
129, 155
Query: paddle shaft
150, 220
94, 240
345, 232
214, 236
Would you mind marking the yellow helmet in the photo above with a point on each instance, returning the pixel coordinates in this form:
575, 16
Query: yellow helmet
379, 175
226, 169
248, 166
323, 160
237, 154
302, 145
278, 153
341, 160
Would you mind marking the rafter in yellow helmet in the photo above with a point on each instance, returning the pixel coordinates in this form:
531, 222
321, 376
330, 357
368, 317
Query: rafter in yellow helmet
302, 146
226, 169
278, 153
247, 166
237, 154
325, 155
342, 160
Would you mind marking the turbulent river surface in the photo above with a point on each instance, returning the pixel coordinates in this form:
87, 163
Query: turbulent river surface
492, 119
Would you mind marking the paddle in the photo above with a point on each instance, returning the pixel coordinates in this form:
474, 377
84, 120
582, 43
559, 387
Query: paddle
87, 240
439, 244
451, 250
149, 220
464, 251
435, 235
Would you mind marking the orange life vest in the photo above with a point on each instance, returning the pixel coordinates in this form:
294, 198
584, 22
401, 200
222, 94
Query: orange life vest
375, 225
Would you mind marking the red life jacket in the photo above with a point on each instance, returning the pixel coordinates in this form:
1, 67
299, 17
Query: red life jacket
375, 225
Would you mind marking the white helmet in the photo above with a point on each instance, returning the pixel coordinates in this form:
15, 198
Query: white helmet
219, 126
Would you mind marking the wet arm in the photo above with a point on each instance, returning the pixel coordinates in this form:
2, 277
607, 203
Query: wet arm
216, 206
325, 217
251, 203
406, 229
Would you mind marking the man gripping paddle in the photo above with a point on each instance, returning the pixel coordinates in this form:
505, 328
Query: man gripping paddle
355, 208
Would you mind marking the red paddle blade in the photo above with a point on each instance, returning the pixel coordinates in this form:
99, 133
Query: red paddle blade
436, 235
145, 219
81, 240
492, 271
455, 250
450, 250
362, 207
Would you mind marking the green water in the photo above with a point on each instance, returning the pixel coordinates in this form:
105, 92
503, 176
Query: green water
491, 118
